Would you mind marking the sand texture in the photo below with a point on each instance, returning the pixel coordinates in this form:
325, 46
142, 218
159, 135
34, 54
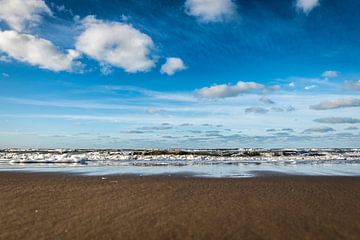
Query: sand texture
52, 206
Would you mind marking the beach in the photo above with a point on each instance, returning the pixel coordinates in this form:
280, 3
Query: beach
63, 206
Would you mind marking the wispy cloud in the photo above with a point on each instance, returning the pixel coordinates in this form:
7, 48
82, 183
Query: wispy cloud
330, 74
73, 104
352, 85
155, 110
266, 100
5, 75
351, 128
319, 130
308, 83
256, 110
310, 87
277, 109
337, 120
156, 128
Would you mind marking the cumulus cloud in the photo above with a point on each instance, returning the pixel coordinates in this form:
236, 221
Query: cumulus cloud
227, 90
256, 110
319, 130
337, 120
307, 5
266, 100
117, 44
330, 74
20, 14
352, 85
172, 65
37, 51
337, 103
211, 10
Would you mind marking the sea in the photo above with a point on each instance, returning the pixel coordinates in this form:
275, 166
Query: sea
211, 163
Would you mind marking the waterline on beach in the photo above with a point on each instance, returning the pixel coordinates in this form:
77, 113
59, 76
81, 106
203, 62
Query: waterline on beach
200, 170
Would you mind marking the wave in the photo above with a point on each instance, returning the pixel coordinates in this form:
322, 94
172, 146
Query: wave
180, 156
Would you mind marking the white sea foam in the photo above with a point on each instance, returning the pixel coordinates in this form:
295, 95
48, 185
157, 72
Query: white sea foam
232, 163
181, 157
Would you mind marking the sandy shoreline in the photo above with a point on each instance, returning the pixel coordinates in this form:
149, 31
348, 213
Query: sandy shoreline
54, 206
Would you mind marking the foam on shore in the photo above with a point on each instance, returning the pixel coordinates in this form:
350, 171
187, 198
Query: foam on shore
233, 163
181, 156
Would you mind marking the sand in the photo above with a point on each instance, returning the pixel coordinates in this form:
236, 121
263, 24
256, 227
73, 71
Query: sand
53, 206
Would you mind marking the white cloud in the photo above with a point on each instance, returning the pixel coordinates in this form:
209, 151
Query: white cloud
36, 51
211, 10
226, 90
117, 44
20, 14
307, 5
330, 74
172, 65
337, 103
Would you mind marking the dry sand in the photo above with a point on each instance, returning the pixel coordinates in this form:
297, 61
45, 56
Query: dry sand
49, 206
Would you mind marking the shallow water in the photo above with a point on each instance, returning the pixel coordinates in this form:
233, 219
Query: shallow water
218, 170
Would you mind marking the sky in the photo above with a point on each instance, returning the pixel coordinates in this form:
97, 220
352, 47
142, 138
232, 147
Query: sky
179, 73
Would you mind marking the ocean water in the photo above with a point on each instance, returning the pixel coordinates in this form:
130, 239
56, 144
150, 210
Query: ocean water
235, 163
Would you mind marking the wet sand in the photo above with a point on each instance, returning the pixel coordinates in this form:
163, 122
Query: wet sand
52, 206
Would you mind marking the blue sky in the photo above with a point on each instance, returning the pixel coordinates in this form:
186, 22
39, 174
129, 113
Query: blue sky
181, 73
